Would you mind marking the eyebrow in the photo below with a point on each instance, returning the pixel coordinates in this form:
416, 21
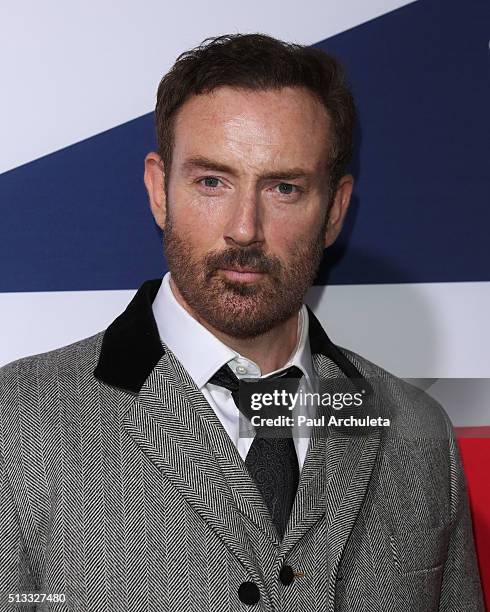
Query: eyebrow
198, 162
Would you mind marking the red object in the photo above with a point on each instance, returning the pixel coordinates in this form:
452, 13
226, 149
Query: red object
475, 454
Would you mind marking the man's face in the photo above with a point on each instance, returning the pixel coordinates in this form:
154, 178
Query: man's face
246, 207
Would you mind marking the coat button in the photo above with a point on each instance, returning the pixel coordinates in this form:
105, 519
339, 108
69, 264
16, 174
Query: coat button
286, 575
249, 593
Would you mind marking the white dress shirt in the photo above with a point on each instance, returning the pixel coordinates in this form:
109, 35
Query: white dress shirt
202, 355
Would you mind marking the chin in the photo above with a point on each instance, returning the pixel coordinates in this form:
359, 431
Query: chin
246, 320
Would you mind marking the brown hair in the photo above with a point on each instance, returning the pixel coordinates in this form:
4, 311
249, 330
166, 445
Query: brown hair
258, 62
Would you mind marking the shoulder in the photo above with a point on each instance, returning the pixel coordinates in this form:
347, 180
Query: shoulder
40, 391
84, 350
411, 410
46, 371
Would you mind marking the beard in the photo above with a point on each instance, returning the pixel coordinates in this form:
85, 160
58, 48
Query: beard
238, 309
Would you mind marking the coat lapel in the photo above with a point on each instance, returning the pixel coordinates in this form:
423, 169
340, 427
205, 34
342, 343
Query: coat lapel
245, 494
168, 430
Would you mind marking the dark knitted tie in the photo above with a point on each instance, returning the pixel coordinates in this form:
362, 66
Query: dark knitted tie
271, 461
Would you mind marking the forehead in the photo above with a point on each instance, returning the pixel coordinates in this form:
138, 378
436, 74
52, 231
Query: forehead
255, 128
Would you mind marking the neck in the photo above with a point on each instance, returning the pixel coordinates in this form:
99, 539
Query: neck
270, 351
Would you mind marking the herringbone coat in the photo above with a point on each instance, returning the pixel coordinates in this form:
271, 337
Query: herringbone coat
121, 491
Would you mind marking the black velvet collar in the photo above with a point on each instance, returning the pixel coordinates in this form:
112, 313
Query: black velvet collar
131, 346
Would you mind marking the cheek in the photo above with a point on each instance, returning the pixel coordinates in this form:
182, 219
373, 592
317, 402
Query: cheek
295, 225
197, 224
287, 239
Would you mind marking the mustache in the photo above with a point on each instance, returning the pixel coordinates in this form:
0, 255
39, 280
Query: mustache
251, 258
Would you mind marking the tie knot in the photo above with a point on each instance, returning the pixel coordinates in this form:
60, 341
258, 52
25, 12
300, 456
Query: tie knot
225, 377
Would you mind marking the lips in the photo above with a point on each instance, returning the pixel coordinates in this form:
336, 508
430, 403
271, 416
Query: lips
242, 274
251, 270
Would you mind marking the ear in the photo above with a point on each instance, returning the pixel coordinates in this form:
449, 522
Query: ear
154, 178
338, 209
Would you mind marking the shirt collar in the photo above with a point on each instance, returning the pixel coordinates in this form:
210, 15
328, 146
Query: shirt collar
201, 353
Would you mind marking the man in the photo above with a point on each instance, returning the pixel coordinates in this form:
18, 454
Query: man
126, 484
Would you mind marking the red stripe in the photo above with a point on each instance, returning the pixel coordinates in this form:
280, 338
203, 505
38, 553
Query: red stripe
475, 454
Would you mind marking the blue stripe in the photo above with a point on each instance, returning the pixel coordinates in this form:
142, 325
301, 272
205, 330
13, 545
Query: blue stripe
79, 218
421, 205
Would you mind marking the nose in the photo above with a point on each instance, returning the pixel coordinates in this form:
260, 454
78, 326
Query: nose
244, 223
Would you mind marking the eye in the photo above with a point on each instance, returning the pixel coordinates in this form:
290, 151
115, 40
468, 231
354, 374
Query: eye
210, 182
287, 188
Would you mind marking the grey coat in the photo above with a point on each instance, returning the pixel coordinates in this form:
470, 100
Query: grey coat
121, 491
